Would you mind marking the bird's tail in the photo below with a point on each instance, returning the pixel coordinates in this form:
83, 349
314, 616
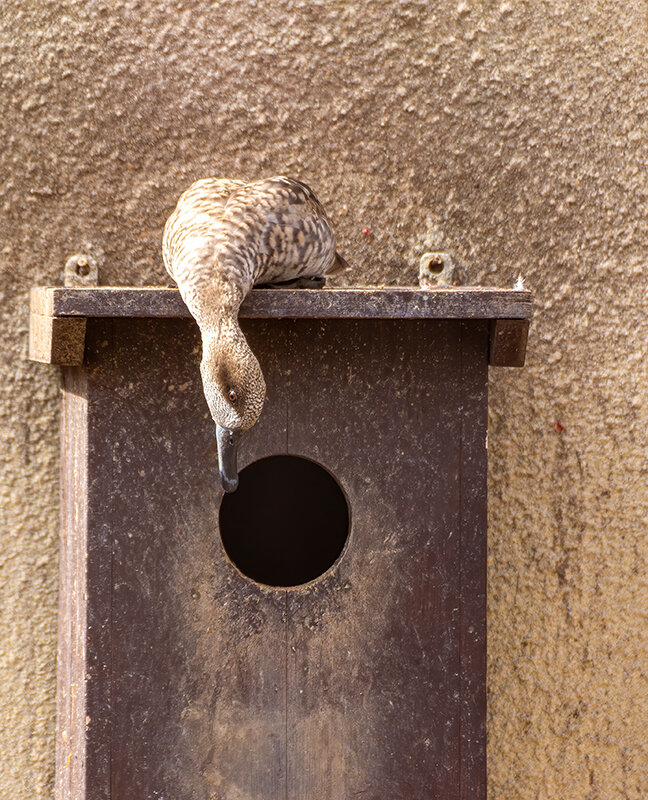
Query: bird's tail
339, 265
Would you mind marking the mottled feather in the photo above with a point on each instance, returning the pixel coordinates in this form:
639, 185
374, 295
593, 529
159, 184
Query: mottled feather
262, 232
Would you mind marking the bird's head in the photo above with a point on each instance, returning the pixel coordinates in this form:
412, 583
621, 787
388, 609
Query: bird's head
235, 392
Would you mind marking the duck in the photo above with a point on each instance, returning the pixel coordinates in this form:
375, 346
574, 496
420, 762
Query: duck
224, 237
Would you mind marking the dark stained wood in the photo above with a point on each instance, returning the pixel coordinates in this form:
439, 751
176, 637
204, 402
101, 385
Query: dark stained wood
57, 327
70, 740
374, 674
472, 561
178, 676
84, 686
384, 302
57, 340
183, 678
508, 342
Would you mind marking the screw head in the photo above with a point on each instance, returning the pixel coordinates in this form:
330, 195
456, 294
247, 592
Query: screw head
80, 270
82, 266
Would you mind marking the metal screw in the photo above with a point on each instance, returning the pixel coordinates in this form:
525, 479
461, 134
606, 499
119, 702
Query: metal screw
81, 270
83, 267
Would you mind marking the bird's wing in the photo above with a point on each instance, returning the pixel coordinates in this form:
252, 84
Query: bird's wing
198, 209
307, 215
285, 223
209, 194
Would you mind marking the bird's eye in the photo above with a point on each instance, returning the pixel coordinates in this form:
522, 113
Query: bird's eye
232, 396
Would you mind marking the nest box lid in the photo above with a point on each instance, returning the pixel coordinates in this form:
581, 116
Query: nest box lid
58, 314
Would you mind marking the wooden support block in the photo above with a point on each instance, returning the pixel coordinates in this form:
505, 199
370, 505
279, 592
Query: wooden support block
57, 340
508, 342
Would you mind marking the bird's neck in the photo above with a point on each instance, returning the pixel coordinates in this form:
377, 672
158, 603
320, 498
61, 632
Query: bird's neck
224, 336
214, 298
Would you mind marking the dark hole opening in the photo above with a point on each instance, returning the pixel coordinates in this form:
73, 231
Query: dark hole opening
436, 265
287, 522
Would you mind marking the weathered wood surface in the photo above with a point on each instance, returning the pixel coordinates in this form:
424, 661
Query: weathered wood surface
472, 566
385, 676
57, 340
185, 679
387, 302
57, 332
508, 342
84, 733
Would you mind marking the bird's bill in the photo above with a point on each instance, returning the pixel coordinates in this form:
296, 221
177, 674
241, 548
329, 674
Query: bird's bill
227, 440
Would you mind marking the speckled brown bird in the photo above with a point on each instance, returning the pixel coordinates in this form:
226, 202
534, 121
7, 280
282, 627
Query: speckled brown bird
224, 237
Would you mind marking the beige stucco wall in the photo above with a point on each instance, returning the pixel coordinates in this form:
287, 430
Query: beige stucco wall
515, 135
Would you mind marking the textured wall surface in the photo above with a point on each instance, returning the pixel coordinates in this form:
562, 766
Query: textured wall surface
513, 134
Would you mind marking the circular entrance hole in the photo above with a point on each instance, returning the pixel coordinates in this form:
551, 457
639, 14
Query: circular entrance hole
287, 522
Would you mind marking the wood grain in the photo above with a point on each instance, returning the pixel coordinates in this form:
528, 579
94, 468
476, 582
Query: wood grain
57, 340
385, 302
508, 342
178, 676
374, 670
58, 315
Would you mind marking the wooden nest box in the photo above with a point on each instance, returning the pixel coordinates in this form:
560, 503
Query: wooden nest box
320, 633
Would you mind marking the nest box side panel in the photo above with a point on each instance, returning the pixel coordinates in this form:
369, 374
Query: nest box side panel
84, 643
473, 569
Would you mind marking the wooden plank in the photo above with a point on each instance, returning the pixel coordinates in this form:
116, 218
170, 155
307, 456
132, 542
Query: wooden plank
508, 342
374, 662
70, 739
57, 326
387, 302
472, 561
57, 340
84, 701
198, 660
97, 560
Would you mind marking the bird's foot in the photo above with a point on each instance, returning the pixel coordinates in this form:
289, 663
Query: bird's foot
315, 282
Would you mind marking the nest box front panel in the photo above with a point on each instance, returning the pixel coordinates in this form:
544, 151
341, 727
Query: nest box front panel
367, 681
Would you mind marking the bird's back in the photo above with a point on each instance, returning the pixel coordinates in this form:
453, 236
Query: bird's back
197, 213
275, 228
285, 227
